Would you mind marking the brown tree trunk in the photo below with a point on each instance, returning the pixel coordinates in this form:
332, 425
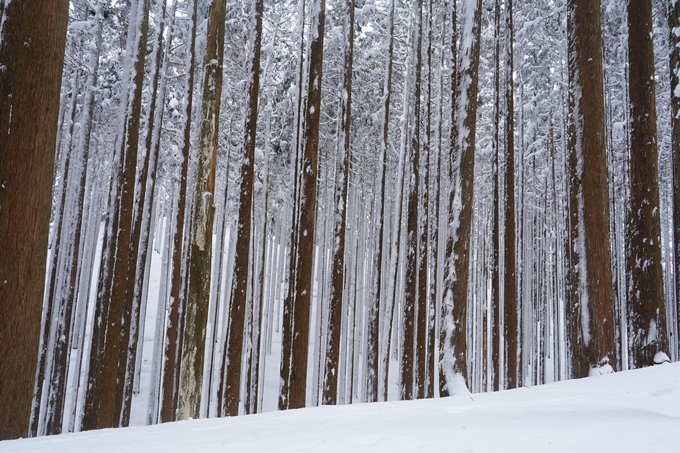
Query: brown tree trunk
111, 332
647, 335
173, 344
455, 291
446, 303
33, 39
330, 384
290, 294
424, 219
302, 285
591, 306
509, 254
407, 359
196, 313
495, 274
674, 45
239, 286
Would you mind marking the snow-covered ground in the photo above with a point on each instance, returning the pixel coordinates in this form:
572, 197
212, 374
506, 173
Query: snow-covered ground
632, 411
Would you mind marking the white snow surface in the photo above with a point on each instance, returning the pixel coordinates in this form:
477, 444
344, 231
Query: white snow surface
629, 411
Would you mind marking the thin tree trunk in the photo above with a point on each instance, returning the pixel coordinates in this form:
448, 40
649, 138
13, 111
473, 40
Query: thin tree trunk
374, 371
674, 45
495, 370
509, 252
330, 381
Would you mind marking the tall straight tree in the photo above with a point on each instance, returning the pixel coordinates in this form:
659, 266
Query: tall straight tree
105, 398
373, 354
495, 240
408, 339
202, 216
591, 306
170, 385
239, 285
509, 256
330, 382
444, 326
674, 45
294, 375
454, 362
32, 45
647, 337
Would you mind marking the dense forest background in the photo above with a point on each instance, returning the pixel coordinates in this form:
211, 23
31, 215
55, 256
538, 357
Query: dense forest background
376, 199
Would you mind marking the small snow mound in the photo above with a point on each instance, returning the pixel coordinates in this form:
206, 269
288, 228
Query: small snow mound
600, 370
660, 358
456, 386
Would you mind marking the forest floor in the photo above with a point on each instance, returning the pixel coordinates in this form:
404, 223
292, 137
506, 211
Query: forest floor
629, 411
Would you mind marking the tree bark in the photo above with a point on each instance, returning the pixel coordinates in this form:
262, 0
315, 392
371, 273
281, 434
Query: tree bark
239, 282
32, 44
173, 345
302, 286
509, 253
674, 45
647, 335
591, 305
202, 216
456, 280
330, 382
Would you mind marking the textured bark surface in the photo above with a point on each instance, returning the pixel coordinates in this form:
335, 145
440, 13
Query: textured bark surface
445, 309
674, 45
32, 43
239, 280
464, 146
646, 308
407, 361
111, 331
202, 216
331, 368
591, 307
170, 380
303, 281
509, 278
495, 346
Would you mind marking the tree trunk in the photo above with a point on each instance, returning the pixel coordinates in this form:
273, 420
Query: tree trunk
674, 45
407, 359
239, 282
456, 284
173, 346
373, 360
509, 254
111, 332
495, 346
302, 285
647, 337
330, 384
203, 211
591, 306
32, 44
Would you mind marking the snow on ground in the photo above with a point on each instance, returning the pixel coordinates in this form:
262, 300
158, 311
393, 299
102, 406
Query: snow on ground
630, 411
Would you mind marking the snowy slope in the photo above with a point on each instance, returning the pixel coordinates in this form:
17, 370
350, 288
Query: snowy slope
632, 411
